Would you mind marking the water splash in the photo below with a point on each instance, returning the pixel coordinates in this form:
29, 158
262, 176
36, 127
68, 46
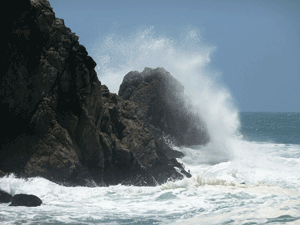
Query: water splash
187, 58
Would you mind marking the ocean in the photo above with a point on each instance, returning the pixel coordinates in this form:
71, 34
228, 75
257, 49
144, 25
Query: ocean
257, 183
249, 172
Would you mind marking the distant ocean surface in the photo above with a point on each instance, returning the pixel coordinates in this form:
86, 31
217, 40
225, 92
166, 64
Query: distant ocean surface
253, 180
271, 127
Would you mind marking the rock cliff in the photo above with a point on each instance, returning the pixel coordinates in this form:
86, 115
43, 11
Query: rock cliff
62, 124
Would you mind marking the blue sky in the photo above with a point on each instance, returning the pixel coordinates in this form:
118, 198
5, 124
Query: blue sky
257, 43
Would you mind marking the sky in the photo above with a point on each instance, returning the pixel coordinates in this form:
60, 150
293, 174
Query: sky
256, 42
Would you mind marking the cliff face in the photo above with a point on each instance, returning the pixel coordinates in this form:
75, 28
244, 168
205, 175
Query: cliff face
50, 96
64, 125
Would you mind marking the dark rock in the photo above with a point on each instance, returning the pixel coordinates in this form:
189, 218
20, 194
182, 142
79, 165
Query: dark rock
163, 105
25, 200
69, 128
133, 145
2, 174
38, 55
5, 197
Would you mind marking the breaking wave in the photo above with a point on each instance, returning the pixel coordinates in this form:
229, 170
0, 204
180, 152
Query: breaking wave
187, 58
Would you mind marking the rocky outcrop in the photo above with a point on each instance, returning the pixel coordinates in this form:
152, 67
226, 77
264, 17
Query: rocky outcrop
128, 136
64, 125
5, 197
25, 200
48, 89
164, 106
20, 199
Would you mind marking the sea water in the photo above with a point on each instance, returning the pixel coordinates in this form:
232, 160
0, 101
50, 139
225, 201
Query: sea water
260, 185
249, 172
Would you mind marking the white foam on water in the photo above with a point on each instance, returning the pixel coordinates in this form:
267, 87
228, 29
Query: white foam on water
255, 163
207, 198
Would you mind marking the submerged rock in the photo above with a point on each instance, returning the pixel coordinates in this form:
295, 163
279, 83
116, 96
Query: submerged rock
25, 200
164, 106
5, 197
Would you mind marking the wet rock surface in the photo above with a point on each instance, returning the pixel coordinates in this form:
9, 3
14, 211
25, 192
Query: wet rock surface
25, 200
5, 197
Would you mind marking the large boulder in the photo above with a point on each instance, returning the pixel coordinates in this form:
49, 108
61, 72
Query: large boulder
164, 106
25, 200
67, 127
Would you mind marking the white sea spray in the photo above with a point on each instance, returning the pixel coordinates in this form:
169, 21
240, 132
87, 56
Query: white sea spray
188, 60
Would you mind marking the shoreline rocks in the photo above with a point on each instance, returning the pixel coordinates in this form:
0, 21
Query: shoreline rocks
68, 127
20, 199
25, 200
5, 197
130, 134
164, 106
